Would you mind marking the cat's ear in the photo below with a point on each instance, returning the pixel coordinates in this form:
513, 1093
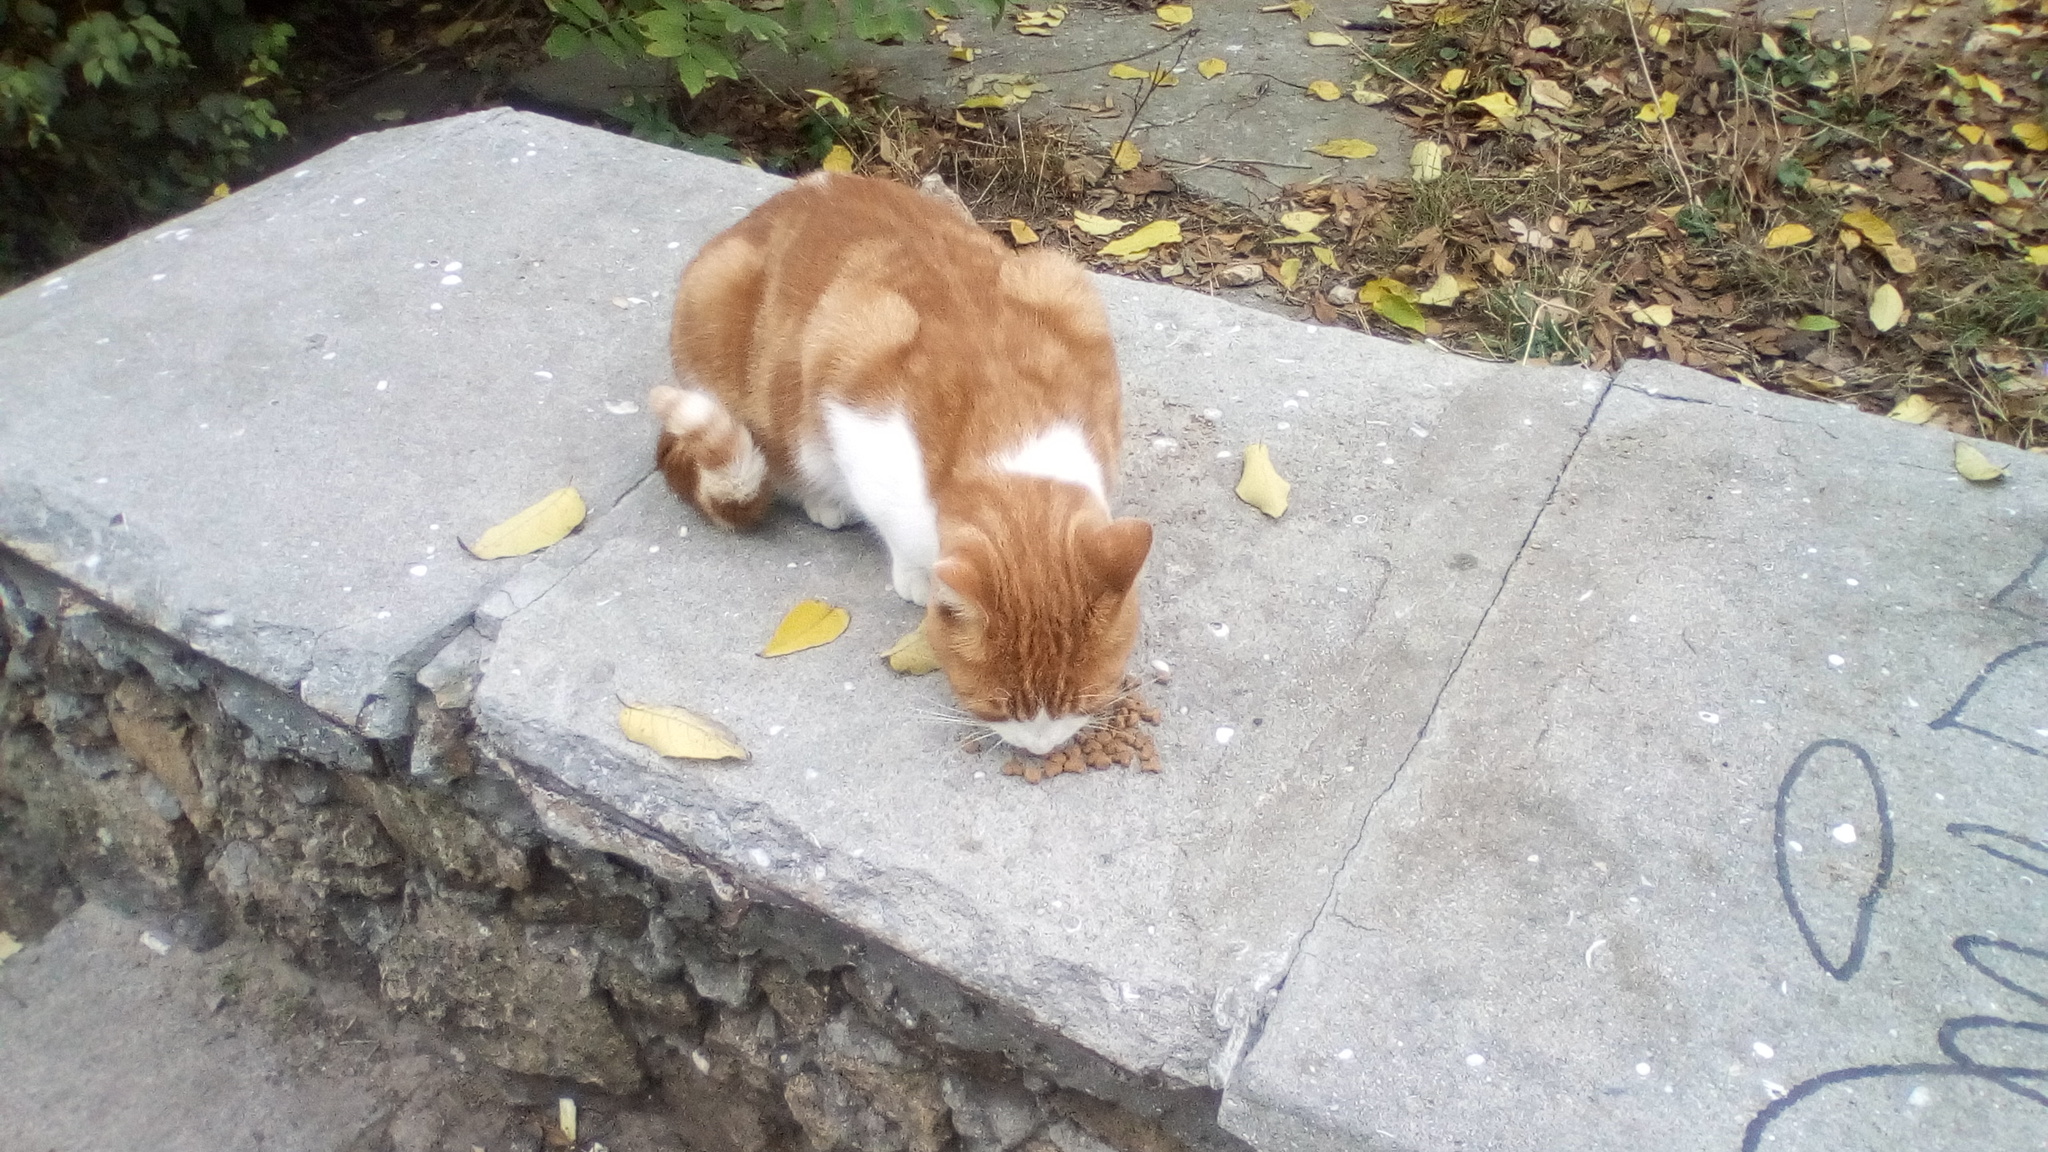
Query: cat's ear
956, 586
1116, 551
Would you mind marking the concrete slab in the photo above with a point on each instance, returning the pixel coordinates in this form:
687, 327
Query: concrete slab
1145, 917
1728, 833
262, 427
1240, 136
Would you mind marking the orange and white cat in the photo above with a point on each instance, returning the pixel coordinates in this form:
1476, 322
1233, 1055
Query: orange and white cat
867, 350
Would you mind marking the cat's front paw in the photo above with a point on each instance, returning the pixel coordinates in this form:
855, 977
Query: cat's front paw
825, 512
912, 582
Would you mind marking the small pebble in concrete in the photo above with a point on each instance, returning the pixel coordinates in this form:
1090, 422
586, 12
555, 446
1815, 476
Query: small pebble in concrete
156, 944
1920, 1097
1642, 1069
1836, 661
1223, 735
1346, 1054
1474, 1060
418, 569
1764, 1051
1843, 833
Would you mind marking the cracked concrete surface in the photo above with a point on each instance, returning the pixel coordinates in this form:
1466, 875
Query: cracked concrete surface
1374, 702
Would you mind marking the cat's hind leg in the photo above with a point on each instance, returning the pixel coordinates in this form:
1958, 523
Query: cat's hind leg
709, 458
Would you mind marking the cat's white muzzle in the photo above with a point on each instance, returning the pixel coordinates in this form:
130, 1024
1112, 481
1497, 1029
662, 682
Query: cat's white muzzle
1040, 734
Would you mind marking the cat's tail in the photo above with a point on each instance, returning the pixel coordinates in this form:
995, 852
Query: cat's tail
709, 458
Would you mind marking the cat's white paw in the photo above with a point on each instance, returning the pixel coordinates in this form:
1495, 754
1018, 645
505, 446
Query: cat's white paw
912, 582
825, 512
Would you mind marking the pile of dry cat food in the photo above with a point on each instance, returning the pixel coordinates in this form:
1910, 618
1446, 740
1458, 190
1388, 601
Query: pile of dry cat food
1117, 739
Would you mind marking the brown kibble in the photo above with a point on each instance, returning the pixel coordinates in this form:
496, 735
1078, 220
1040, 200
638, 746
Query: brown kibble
1013, 767
1115, 739
1033, 774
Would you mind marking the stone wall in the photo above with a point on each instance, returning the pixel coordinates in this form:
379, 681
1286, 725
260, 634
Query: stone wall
137, 772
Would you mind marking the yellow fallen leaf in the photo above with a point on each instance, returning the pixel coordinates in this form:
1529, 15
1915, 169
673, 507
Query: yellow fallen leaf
1786, 235
565, 1118
8, 945
964, 122
1970, 133
1499, 104
1368, 96
1664, 109
1654, 315
1173, 15
1329, 40
1441, 294
679, 732
809, 624
1022, 233
1290, 271
1259, 485
1213, 67
1974, 465
912, 654
533, 528
1426, 161
2038, 255
1400, 310
1991, 88
1453, 80
1098, 225
1121, 71
1549, 93
220, 192
1995, 193
1125, 155
2031, 134
963, 53
1324, 90
1914, 409
1346, 148
1851, 239
1144, 239
1324, 256
1303, 221
1901, 259
839, 159
1542, 36
1887, 308
1872, 226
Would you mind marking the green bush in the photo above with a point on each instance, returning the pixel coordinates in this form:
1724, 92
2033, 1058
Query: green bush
704, 37
116, 113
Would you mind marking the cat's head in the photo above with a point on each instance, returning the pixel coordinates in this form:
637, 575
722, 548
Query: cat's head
1034, 609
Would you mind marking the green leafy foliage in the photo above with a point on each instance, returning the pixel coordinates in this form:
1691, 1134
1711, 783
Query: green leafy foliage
115, 113
704, 38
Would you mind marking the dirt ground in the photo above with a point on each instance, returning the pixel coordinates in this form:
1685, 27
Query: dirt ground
107, 1045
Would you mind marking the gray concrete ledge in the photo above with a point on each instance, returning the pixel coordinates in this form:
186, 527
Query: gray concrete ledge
1513, 613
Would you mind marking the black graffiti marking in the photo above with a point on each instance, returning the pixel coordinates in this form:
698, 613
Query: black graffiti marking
1952, 717
1753, 1136
1867, 906
1946, 1038
1963, 831
2020, 596
1968, 946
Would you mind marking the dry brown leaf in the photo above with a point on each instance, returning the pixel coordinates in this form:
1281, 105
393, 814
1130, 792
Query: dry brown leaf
1302, 221
809, 624
679, 732
1901, 259
1259, 485
1550, 93
1543, 36
532, 528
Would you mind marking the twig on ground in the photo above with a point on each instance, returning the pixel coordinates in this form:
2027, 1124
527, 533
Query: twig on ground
1656, 101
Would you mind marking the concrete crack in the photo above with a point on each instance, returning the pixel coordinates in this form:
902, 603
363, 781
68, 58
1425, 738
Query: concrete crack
1257, 1026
